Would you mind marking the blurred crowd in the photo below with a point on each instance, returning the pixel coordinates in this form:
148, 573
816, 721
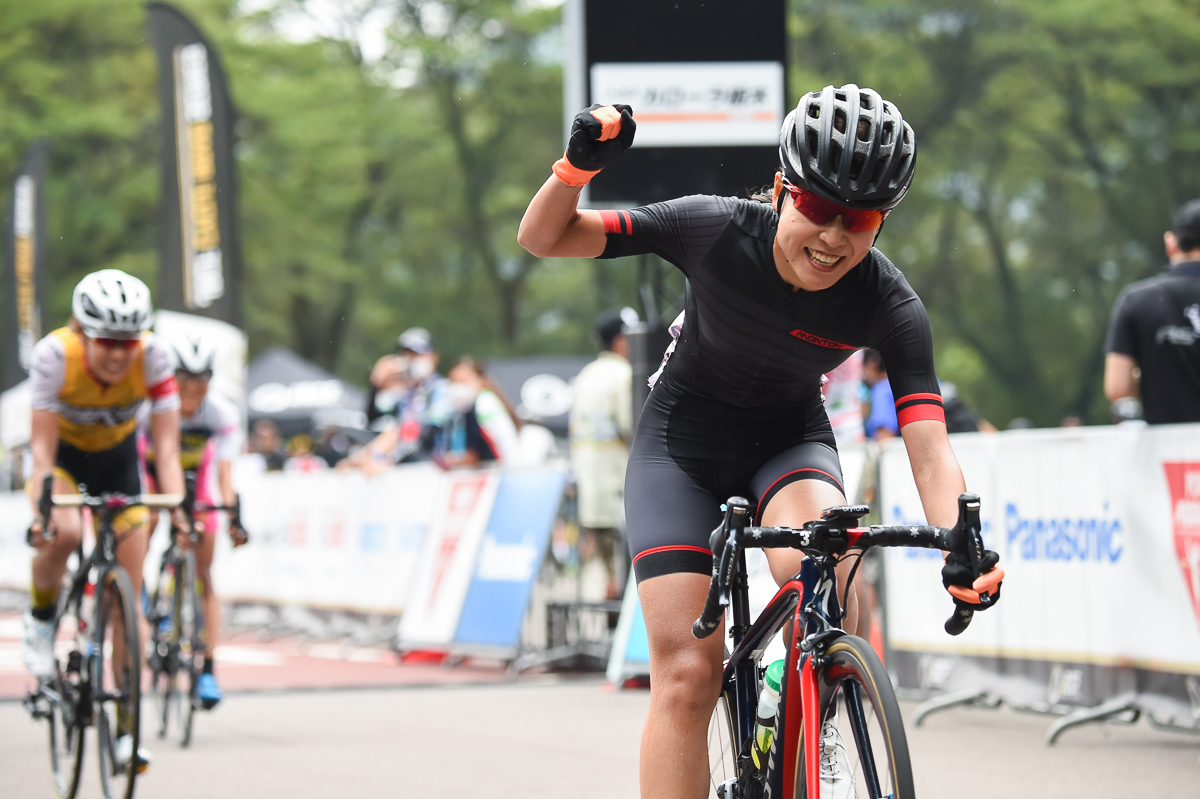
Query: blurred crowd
414, 413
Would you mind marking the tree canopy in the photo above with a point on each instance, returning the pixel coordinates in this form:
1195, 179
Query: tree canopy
387, 149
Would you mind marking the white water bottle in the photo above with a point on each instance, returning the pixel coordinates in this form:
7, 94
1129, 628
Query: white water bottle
768, 706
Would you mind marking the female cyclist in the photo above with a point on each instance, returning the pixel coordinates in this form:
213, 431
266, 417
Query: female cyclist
780, 292
89, 380
210, 440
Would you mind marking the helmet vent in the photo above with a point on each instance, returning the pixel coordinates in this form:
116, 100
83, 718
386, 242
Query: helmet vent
840, 96
856, 165
889, 130
813, 141
877, 173
864, 130
814, 110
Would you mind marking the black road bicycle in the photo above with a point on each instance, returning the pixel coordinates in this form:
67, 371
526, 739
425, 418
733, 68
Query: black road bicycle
176, 617
830, 676
98, 680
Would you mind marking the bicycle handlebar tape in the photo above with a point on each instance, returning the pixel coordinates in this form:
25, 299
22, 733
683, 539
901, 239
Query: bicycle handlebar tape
599, 134
960, 620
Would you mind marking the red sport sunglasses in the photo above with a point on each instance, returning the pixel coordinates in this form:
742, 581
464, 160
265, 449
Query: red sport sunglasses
116, 343
822, 212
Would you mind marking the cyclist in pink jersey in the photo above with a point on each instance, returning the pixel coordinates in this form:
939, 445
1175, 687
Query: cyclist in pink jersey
210, 440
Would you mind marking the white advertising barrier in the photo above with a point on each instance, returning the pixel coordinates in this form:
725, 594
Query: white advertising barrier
1098, 531
15, 555
331, 540
447, 560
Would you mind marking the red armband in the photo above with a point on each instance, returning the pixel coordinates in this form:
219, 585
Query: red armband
919, 408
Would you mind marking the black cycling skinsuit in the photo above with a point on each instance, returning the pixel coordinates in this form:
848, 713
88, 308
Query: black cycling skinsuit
738, 408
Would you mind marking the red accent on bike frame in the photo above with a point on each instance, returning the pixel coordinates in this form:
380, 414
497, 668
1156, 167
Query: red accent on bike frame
793, 705
855, 533
812, 729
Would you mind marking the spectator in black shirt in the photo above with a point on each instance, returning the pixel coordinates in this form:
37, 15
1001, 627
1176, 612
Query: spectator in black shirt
1152, 346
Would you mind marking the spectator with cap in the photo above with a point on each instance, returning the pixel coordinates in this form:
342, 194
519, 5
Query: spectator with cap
404, 377
601, 427
1152, 345
409, 400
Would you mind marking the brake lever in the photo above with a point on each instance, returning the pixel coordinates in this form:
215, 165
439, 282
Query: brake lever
965, 539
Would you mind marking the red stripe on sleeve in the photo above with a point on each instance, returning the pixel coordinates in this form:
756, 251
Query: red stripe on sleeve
612, 221
921, 413
911, 397
627, 220
164, 389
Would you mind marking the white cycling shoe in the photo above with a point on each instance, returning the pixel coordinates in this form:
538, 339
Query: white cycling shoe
123, 750
37, 647
837, 778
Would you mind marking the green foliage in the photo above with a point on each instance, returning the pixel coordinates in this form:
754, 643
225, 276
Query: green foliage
1056, 140
382, 179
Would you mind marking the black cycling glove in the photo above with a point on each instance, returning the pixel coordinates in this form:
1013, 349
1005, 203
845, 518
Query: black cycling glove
974, 593
599, 134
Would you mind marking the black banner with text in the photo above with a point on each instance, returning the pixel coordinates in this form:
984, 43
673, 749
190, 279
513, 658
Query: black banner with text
200, 267
24, 264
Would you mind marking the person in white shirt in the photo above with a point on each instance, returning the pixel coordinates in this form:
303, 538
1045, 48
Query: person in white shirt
601, 429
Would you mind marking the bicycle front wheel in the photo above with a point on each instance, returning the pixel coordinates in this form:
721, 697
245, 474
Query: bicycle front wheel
185, 633
722, 747
63, 696
863, 750
116, 680
162, 651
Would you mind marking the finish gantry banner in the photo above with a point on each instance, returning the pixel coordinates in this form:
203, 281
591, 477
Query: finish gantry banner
707, 81
24, 264
200, 267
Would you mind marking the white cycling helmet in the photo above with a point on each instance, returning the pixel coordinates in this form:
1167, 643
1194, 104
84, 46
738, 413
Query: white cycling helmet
192, 354
112, 304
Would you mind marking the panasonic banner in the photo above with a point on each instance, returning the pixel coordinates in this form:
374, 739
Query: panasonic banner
1098, 531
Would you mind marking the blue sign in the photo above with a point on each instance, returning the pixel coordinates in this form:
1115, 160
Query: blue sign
637, 650
514, 543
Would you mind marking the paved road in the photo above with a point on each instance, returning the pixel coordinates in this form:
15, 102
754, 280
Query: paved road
246, 662
553, 739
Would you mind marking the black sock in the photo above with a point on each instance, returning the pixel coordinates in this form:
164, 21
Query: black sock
43, 614
208, 664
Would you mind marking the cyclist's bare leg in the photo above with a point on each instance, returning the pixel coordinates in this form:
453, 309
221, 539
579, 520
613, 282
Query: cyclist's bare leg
795, 504
212, 606
685, 678
50, 558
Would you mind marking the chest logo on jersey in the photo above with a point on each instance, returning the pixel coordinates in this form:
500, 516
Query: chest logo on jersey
821, 342
108, 417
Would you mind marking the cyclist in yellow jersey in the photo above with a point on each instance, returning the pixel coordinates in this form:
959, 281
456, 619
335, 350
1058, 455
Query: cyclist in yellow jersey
89, 379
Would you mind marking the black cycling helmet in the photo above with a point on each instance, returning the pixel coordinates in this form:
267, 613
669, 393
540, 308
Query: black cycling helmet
850, 146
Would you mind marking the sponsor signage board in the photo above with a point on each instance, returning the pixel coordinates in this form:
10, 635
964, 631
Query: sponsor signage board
1098, 597
707, 83
515, 542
